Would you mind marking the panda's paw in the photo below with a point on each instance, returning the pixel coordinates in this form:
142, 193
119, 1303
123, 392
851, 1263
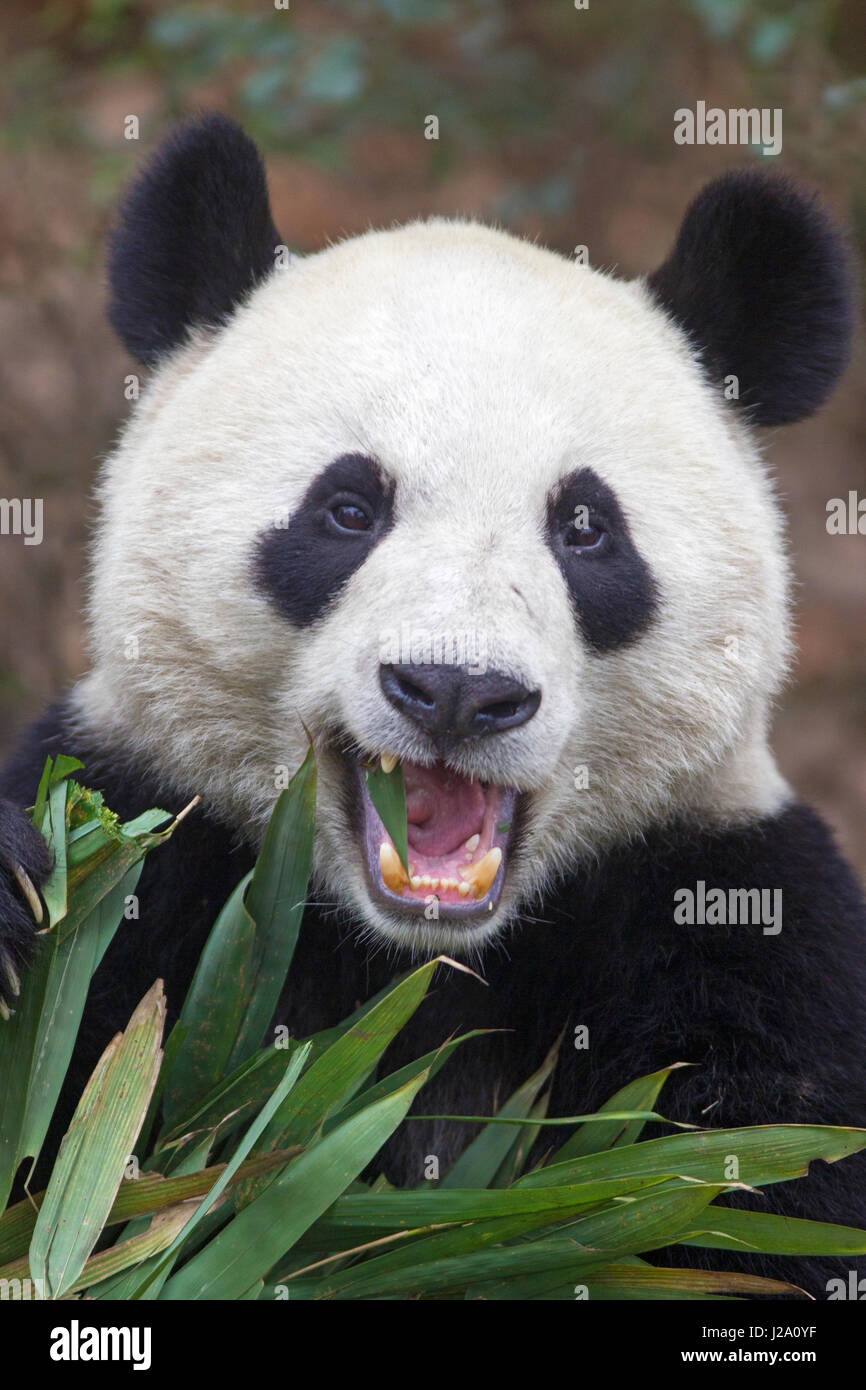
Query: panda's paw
24, 865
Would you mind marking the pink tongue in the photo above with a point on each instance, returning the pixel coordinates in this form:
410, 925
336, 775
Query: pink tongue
442, 809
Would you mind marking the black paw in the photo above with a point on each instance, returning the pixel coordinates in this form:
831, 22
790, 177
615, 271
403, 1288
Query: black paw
24, 865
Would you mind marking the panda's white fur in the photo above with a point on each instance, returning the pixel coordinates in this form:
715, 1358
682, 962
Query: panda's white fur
478, 369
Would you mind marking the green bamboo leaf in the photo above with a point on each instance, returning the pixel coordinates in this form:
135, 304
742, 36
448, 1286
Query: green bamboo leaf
142, 1196
264, 1231
388, 795
96, 1147
126, 1254
275, 900
766, 1154
152, 1276
431, 1062
641, 1094
37, 1042
632, 1279
776, 1235
243, 967
331, 1079
55, 770
212, 1011
366, 1212
455, 1260
91, 881
229, 1103
515, 1160
478, 1164
322, 1040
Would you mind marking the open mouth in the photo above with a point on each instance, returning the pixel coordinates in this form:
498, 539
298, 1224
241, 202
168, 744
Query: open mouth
459, 831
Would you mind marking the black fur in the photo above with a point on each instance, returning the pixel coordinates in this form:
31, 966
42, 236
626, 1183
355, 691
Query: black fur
612, 589
193, 237
760, 279
775, 1023
301, 567
21, 847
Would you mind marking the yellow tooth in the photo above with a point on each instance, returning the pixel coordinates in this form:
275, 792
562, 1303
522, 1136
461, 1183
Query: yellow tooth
481, 875
472, 843
434, 883
415, 883
393, 873
389, 762
463, 890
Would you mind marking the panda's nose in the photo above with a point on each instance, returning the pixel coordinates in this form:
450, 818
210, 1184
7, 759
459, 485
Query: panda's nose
451, 702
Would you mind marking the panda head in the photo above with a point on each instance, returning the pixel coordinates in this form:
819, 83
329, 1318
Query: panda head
438, 494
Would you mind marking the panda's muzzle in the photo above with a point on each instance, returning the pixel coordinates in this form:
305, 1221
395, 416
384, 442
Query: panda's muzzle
459, 826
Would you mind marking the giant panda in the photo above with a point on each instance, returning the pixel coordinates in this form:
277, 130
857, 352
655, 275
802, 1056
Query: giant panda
440, 495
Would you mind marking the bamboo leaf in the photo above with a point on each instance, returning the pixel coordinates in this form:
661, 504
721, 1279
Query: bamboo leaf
331, 1079
455, 1260
275, 900
431, 1062
766, 1154
633, 1279
478, 1164
388, 796
262, 1233
641, 1094
776, 1235
95, 1149
157, 1271
212, 1011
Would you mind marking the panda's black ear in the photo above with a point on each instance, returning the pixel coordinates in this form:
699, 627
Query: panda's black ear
194, 235
760, 280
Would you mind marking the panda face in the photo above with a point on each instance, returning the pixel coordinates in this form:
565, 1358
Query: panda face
440, 495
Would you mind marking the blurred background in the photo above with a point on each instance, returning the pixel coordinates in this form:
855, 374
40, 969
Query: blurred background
555, 121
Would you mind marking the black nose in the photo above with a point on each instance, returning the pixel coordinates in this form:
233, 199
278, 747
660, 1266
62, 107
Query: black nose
450, 702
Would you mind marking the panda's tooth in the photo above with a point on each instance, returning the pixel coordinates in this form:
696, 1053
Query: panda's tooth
393, 874
481, 875
389, 761
472, 843
463, 889
415, 883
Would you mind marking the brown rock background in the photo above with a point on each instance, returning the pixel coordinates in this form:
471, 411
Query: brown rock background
555, 121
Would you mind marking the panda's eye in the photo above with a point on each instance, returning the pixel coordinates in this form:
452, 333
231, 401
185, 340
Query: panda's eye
348, 515
585, 537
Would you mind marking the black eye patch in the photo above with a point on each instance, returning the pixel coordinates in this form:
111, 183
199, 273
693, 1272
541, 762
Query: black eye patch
612, 589
345, 512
